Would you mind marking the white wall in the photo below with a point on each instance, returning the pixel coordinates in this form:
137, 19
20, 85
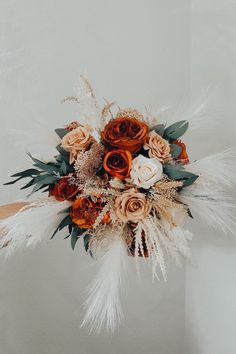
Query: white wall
136, 52
210, 284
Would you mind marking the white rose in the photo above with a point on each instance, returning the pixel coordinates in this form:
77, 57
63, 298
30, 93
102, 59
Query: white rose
146, 171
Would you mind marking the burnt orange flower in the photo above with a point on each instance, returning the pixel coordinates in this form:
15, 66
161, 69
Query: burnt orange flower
117, 163
62, 190
85, 212
125, 133
183, 157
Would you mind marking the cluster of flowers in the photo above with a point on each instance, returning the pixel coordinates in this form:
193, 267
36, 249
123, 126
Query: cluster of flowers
121, 182
128, 178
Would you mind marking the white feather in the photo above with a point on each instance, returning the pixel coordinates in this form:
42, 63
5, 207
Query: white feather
175, 242
199, 115
211, 204
30, 225
90, 114
219, 167
40, 140
103, 307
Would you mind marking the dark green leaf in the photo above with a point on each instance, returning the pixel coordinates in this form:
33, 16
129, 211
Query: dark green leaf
65, 222
74, 238
188, 181
47, 167
189, 213
63, 168
176, 130
43, 181
86, 241
159, 129
31, 183
175, 151
61, 132
27, 173
12, 182
64, 154
47, 180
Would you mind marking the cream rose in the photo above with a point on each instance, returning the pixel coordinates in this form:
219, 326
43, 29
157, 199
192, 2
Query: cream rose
158, 147
132, 206
76, 140
145, 171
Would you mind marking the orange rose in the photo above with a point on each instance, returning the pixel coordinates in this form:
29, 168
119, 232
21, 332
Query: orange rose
125, 133
85, 212
117, 163
62, 190
183, 157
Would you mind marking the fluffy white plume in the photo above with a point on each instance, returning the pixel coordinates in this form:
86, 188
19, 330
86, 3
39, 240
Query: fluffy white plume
219, 168
199, 116
30, 225
160, 240
40, 140
208, 197
211, 205
175, 243
103, 308
88, 105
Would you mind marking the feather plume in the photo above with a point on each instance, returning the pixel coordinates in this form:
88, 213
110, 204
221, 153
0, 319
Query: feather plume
88, 105
208, 196
103, 308
30, 225
161, 239
212, 206
40, 140
219, 167
175, 242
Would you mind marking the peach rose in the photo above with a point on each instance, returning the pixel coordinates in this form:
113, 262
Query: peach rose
132, 206
76, 140
158, 147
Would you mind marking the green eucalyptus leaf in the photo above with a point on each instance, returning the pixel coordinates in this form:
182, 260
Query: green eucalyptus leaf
63, 168
86, 241
61, 132
74, 238
176, 130
47, 180
27, 173
42, 182
177, 172
66, 221
189, 180
47, 167
159, 129
29, 184
12, 182
64, 154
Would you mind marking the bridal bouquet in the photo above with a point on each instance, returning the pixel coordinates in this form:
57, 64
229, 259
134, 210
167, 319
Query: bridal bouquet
121, 182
